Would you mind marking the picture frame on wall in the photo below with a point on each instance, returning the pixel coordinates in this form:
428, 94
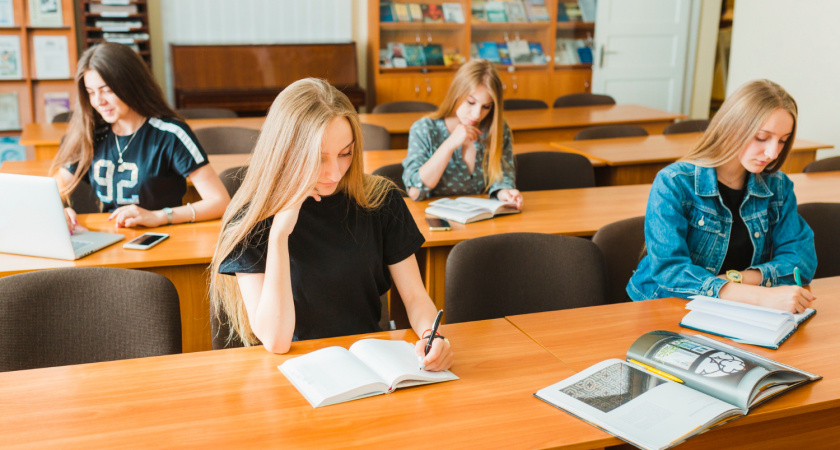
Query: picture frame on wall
45, 13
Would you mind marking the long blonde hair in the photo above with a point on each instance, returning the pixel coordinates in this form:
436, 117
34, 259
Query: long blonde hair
284, 168
737, 122
472, 74
125, 73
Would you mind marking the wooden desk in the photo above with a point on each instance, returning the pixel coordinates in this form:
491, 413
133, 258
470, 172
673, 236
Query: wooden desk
572, 212
806, 417
528, 126
183, 258
238, 398
374, 159
543, 125
637, 160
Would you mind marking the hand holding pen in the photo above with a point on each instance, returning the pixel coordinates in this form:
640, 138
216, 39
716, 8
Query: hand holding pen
433, 350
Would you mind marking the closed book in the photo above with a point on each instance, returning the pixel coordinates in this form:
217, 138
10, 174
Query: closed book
432, 13
478, 11
414, 55
520, 53
387, 12
537, 55
489, 51
403, 14
515, 11
433, 54
504, 53
585, 54
416, 12
452, 12
561, 13
537, 11
496, 11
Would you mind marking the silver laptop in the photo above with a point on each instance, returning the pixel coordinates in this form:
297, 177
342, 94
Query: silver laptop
32, 221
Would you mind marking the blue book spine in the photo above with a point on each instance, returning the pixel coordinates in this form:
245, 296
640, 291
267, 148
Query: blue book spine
489, 51
585, 54
387, 13
504, 53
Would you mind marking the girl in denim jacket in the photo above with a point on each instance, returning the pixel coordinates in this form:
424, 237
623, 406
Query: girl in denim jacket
722, 222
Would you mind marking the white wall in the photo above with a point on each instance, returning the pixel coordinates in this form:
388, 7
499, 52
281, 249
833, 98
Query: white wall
796, 44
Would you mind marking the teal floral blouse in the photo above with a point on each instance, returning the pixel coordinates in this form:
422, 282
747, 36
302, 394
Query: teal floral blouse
425, 136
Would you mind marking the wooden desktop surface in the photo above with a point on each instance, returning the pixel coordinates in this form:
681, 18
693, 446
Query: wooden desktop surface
528, 126
183, 258
806, 417
238, 398
637, 160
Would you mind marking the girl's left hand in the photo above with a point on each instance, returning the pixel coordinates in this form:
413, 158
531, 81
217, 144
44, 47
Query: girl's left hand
132, 215
511, 196
440, 356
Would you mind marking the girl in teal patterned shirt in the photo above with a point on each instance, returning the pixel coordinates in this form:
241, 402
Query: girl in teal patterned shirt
464, 147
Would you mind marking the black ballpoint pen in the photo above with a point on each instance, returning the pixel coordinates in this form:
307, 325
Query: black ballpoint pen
434, 331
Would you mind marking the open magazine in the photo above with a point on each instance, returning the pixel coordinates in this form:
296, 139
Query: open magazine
371, 367
469, 209
671, 387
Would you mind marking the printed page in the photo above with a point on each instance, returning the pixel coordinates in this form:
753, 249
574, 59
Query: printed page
332, 375
396, 363
495, 206
635, 405
755, 333
461, 205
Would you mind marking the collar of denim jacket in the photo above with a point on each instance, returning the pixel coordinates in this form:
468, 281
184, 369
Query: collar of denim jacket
706, 183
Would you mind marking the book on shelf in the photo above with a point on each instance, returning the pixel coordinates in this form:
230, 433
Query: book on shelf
56, 103
585, 54
414, 55
10, 148
385, 59
515, 11
561, 12
495, 11
45, 13
127, 36
416, 12
478, 11
117, 25
10, 63
387, 12
453, 56
588, 9
565, 52
433, 54
748, 324
568, 12
537, 55
452, 12
469, 209
52, 61
370, 367
432, 13
7, 13
474, 53
489, 51
671, 387
537, 11
504, 53
106, 10
520, 53
403, 14
9, 111
397, 54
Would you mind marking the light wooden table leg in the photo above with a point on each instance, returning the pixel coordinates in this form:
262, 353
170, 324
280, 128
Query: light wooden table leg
192, 283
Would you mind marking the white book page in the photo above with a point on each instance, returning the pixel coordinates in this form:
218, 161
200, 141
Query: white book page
638, 406
396, 363
495, 206
736, 329
768, 318
460, 205
332, 375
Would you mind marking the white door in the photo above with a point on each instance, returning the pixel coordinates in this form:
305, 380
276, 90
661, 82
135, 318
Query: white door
641, 49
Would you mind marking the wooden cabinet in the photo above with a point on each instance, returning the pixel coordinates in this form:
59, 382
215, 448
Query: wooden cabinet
47, 35
125, 22
429, 83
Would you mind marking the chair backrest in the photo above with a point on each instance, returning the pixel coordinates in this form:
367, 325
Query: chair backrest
622, 244
687, 126
824, 219
62, 117
610, 131
221, 140
517, 273
823, 165
232, 178
511, 104
583, 99
540, 171
206, 113
375, 137
404, 106
86, 314
394, 173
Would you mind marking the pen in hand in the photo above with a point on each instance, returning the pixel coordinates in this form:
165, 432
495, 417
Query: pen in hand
431, 337
797, 277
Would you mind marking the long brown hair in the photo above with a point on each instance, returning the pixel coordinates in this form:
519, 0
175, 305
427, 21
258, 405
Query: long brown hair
472, 74
129, 78
283, 169
737, 122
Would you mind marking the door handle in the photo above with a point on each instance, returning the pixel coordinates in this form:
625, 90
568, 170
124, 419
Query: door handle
601, 55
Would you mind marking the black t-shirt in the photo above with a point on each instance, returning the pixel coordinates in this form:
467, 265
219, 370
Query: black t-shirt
339, 256
740, 250
156, 162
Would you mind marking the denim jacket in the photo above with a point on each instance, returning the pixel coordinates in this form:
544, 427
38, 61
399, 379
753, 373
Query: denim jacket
687, 230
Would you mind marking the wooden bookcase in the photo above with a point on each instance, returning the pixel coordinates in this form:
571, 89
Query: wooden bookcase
430, 83
124, 28
30, 89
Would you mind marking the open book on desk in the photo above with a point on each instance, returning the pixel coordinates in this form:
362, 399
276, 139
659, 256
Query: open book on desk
748, 324
671, 387
371, 367
469, 209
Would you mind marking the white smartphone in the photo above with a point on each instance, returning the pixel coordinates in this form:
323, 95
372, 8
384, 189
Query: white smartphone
145, 241
436, 224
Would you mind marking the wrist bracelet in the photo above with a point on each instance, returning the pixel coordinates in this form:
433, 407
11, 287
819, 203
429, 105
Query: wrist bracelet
168, 213
193, 212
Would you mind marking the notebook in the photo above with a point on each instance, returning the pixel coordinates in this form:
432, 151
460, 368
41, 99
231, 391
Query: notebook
32, 221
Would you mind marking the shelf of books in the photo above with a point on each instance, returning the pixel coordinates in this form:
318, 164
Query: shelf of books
121, 21
37, 64
543, 48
